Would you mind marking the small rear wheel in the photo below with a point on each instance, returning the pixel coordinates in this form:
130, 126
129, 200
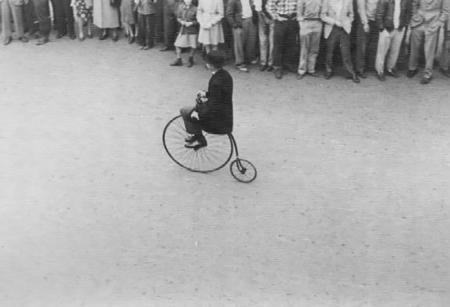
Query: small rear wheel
243, 170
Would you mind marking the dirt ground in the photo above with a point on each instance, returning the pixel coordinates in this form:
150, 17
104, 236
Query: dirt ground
350, 207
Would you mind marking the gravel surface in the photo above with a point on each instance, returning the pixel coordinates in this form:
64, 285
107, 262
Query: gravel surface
350, 207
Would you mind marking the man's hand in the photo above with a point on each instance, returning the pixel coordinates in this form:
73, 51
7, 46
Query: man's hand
194, 114
366, 28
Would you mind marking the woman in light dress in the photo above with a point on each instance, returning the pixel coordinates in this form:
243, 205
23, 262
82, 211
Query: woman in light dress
209, 16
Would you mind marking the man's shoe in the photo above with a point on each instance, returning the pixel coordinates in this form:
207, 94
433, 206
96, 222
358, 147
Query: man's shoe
263, 67
7, 40
72, 36
191, 139
177, 62
412, 73
314, 74
381, 77
42, 41
59, 35
445, 72
300, 76
355, 78
197, 144
190, 62
167, 48
24, 39
328, 75
115, 36
426, 79
393, 73
278, 73
242, 68
270, 68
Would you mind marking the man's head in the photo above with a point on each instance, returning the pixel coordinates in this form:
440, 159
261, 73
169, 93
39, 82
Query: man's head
215, 59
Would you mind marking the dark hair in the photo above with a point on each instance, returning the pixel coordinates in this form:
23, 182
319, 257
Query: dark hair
215, 58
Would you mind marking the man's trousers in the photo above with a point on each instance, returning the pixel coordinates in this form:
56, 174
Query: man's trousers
265, 35
245, 42
8, 10
63, 17
285, 49
338, 36
389, 44
420, 35
43, 16
365, 49
310, 32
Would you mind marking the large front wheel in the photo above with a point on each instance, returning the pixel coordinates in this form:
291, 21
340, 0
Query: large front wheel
207, 159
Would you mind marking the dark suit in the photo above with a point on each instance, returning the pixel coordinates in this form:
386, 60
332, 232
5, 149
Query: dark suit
63, 17
170, 21
216, 115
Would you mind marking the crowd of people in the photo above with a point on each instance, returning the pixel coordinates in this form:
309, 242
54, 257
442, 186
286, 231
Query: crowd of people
277, 35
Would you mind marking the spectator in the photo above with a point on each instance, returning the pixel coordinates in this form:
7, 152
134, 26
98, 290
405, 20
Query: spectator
14, 8
392, 18
366, 33
209, 16
106, 17
241, 16
43, 17
428, 16
127, 17
284, 13
83, 16
187, 36
338, 17
147, 20
170, 23
445, 56
63, 18
265, 35
308, 16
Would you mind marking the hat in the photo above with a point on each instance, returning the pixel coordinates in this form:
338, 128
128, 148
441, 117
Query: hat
215, 58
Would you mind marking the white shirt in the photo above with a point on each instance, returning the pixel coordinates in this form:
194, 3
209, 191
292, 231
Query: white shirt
397, 14
246, 9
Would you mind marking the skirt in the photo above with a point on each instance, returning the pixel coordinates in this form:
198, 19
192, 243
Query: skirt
211, 36
127, 12
186, 40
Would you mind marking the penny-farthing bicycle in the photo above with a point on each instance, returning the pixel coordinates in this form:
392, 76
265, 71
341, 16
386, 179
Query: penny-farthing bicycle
207, 159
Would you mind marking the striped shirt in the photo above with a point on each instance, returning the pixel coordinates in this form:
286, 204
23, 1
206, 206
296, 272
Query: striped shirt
281, 7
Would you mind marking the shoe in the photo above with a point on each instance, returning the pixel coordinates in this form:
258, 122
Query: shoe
7, 41
42, 41
445, 72
328, 75
278, 73
198, 143
393, 73
81, 38
300, 76
177, 62
103, 36
242, 68
270, 68
263, 67
426, 79
190, 62
24, 39
314, 74
191, 139
59, 35
362, 74
412, 73
147, 47
72, 36
90, 35
381, 77
167, 48
355, 78
130, 39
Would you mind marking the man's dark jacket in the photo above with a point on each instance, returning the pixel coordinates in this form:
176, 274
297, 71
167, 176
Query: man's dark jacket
385, 14
216, 115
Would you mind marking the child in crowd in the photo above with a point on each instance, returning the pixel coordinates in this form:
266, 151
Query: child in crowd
146, 22
127, 17
83, 16
187, 37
